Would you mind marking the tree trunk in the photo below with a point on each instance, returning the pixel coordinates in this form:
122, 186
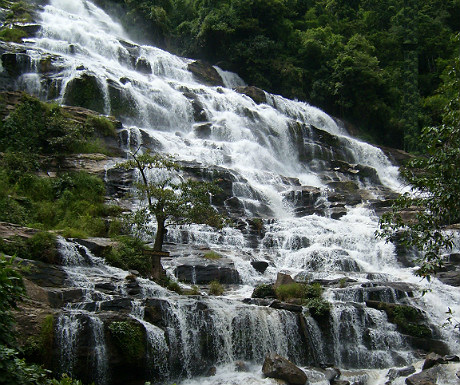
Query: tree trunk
160, 235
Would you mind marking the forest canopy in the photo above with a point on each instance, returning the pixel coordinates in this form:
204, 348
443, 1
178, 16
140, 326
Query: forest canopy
375, 64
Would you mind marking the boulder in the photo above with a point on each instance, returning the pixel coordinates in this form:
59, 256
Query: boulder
451, 278
433, 359
8, 230
240, 366
205, 73
97, 246
279, 367
198, 270
400, 372
286, 306
256, 94
16, 63
85, 91
122, 103
340, 382
203, 131
199, 113
426, 377
260, 266
283, 279
332, 374
143, 66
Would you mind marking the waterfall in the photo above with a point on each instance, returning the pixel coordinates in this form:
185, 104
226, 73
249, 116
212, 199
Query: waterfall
313, 188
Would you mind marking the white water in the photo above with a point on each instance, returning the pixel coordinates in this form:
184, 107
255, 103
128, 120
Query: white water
255, 144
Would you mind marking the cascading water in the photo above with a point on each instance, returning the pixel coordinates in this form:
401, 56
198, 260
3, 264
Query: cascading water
289, 164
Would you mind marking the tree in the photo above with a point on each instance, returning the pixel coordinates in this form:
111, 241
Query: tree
435, 185
171, 200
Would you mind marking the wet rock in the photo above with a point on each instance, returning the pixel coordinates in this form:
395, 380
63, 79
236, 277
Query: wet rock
122, 103
98, 246
205, 73
429, 345
278, 367
201, 271
43, 274
451, 278
59, 297
426, 377
199, 113
211, 372
143, 66
400, 372
433, 359
451, 358
16, 63
340, 382
332, 374
286, 306
260, 266
85, 91
203, 131
283, 279
118, 182
256, 94
358, 170
240, 366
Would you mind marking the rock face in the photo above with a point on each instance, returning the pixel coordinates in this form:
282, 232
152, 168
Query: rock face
205, 73
254, 93
278, 367
201, 271
283, 279
85, 91
426, 377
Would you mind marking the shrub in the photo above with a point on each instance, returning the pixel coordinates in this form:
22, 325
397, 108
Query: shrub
216, 288
40, 247
14, 35
174, 286
289, 291
212, 255
101, 125
11, 291
128, 255
195, 290
264, 291
129, 340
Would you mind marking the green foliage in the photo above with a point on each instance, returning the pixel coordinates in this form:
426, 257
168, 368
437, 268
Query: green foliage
264, 291
212, 255
216, 288
129, 340
41, 247
102, 125
310, 296
40, 128
34, 127
355, 60
73, 202
15, 371
14, 35
11, 291
128, 254
289, 291
435, 184
408, 319
195, 290
38, 348
174, 286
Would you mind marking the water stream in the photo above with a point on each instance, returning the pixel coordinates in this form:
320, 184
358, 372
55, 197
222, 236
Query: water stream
271, 151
